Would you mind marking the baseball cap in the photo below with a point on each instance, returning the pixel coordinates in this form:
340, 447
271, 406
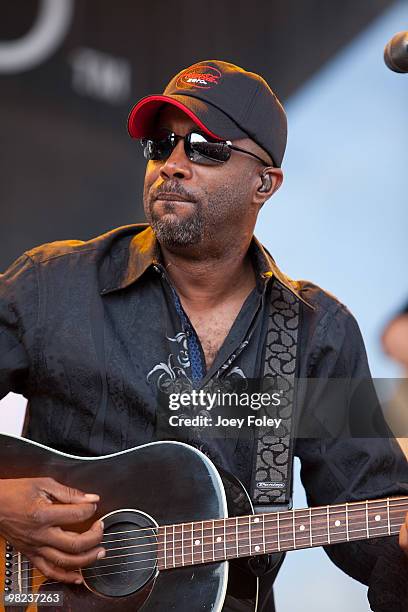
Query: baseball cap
225, 101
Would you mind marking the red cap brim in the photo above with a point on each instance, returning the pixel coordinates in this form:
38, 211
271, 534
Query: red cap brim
142, 116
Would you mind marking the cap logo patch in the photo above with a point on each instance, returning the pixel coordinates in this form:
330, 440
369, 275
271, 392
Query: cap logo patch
202, 77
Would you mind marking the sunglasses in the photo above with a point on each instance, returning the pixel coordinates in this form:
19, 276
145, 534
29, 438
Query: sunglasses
198, 148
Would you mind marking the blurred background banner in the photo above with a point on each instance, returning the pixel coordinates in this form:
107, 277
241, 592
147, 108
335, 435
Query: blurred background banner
71, 69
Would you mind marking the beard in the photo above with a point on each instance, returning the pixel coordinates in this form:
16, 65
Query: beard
214, 210
172, 230
175, 231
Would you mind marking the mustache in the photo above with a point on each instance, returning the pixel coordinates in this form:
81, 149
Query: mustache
173, 188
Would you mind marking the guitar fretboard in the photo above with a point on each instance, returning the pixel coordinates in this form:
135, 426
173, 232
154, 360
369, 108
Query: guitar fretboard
221, 539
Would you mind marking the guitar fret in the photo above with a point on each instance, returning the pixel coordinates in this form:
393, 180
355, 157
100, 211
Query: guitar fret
286, 530
347, 524
219, 540
263, 533
192, 543
301, 526
225, 540
244, 540
199, 542
202, 541
357, 521
258, 534
195, 543
169, 553
264, 536
337, 524
250, 536
208, 541
378, 519
178, 545
236, 535
182, 545
319, 526
328, 524
375, 520
174, 546
177, 550
399, 514
366, 513
310, 527
165, 547
388, 515
213, 539
230, 537
187, 548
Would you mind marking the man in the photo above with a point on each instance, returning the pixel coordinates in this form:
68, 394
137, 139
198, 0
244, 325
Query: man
395, 338
92, 332
395, 344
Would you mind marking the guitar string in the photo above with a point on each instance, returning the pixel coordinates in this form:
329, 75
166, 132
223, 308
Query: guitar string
271, 529
181, 554
146, 567
154, 566
212, 560
268, 518
289, 513
283, 516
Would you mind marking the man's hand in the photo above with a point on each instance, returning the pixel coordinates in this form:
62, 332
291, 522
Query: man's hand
33, 512
403, 536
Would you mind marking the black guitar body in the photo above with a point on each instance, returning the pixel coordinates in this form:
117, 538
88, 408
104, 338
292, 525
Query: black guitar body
166, 483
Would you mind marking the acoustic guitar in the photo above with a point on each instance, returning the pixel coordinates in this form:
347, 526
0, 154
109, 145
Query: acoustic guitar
177, 531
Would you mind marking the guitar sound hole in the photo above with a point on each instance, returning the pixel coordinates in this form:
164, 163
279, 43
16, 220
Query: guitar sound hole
130, 541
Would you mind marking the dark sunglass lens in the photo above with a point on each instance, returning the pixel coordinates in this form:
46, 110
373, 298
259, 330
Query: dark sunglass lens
203, 151
155, 150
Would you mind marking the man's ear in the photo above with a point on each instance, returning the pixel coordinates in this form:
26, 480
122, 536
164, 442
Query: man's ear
269, 181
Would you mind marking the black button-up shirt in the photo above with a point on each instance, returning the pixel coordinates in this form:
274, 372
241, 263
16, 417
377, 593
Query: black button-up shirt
92, 332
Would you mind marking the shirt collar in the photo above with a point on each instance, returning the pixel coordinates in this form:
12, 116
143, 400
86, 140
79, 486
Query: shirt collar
127, 264
268, 269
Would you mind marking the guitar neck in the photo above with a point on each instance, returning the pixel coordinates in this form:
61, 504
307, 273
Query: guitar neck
244, 536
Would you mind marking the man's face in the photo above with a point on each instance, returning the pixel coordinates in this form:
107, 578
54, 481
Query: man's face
194, 204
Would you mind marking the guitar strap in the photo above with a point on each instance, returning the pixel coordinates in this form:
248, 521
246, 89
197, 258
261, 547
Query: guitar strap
271, 483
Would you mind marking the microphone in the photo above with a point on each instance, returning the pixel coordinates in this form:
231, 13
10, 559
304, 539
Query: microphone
396, 52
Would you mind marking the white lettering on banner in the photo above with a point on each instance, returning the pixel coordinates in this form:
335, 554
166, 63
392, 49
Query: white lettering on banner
207, 400
100, 75
41, 41
206, 421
